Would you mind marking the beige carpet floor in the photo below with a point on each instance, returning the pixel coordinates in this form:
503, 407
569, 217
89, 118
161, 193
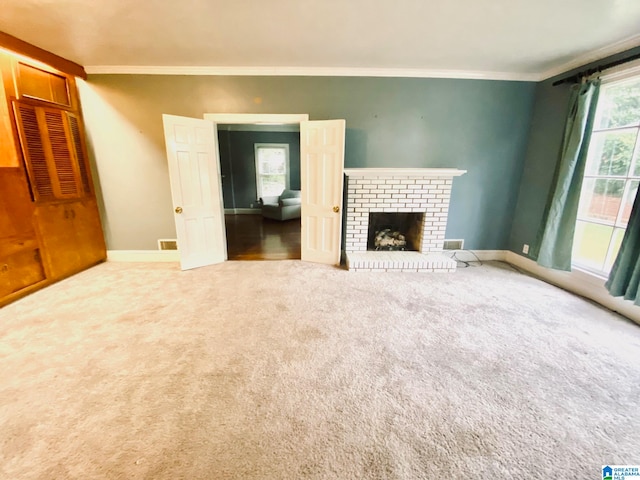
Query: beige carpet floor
287, 370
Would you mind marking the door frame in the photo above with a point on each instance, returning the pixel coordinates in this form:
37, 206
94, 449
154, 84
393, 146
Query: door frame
255, 119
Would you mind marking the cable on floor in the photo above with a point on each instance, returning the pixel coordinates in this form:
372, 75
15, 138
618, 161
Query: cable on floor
465, 263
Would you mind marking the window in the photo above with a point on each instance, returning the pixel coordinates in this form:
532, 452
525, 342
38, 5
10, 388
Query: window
272, 168
611, 177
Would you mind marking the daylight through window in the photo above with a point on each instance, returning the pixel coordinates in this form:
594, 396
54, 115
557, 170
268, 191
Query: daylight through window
611, 177
272, 168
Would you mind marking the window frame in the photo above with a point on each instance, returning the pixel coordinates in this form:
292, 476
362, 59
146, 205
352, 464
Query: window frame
610, 80
287, 174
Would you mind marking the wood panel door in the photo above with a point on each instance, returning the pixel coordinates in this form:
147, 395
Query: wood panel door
71, 236
20, 264
58, 239
196, 189
321, 174
88, 231
20, 270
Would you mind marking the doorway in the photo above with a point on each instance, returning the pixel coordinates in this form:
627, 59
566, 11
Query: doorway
253, 237
194, 174
260, 161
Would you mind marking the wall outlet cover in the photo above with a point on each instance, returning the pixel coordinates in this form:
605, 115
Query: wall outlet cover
525, 249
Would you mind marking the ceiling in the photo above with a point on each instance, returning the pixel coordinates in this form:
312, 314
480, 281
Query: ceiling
514, 39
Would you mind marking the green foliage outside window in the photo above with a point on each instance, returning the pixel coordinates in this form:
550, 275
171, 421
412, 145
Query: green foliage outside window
621, 108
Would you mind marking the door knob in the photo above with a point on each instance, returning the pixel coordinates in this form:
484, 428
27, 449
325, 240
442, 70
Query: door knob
336, 208
178, 209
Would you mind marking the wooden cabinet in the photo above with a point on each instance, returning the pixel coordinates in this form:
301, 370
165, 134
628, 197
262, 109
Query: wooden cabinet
71, 236
20, 270
20, 259
49, 222
88, 230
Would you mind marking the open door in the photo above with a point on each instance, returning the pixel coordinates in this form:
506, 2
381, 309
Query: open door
321, 175
194, 173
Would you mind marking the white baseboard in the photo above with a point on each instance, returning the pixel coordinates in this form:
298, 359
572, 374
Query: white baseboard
242, 211
143, 256
475, 255
579, 282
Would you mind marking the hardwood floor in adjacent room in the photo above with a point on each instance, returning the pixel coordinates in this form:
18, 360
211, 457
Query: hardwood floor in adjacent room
252, 237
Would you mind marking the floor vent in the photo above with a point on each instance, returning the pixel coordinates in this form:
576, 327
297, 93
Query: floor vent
167, 244
453, 245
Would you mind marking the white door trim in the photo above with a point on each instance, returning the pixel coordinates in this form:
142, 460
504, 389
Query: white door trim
258, 118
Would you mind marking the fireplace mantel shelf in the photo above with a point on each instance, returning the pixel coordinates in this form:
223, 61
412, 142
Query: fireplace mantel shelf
409, 172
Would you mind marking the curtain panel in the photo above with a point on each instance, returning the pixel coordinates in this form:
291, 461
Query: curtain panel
554, 242
624, 279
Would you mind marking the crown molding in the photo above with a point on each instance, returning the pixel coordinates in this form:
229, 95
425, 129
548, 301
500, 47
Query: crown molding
592, 56
310, 72
577, 62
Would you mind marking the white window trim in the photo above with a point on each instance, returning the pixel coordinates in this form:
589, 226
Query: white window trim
287, 177
621, 72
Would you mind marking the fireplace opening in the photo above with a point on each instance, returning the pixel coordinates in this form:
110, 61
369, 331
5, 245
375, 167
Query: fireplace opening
394, 231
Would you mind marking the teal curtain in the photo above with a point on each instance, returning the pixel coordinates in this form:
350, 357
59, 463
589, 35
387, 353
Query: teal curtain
624, 279
555, 237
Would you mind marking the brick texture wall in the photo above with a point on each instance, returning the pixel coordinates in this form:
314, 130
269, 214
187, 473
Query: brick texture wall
397, 193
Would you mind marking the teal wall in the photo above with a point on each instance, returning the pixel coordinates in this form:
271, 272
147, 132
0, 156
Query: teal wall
238, 165
477, 125
541, 157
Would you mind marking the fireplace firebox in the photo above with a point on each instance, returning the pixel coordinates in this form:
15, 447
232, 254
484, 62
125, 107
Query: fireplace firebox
395, 231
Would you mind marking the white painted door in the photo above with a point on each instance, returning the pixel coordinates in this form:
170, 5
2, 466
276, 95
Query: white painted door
321, 174
196, 190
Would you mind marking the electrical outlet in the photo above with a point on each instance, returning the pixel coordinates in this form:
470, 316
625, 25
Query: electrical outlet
525, 249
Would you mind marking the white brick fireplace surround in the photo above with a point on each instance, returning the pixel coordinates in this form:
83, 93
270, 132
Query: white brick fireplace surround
395, 190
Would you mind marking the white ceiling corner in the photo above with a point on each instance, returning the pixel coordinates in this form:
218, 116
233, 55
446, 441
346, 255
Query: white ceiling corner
593, 56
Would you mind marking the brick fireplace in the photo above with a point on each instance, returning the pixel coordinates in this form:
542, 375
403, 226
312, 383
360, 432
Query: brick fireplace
399, 190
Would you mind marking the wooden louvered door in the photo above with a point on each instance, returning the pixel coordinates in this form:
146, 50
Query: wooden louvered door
66, 170
31, 139
53, 151
79, 149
